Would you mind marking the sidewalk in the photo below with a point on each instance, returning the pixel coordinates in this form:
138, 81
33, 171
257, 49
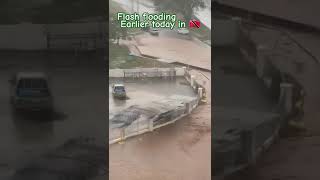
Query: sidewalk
174, 49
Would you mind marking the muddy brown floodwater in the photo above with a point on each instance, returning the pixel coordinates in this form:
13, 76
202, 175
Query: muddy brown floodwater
178, 151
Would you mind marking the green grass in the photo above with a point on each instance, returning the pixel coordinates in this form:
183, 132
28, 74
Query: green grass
115, 7
119, 58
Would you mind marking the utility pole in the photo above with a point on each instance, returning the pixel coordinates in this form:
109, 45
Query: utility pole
138, 6
132, 6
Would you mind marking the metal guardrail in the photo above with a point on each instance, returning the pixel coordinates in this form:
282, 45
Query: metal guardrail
148, 124
137, 73
239, 153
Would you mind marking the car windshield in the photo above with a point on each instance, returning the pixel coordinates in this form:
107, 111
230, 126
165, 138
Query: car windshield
32, 87
119, 89
32, 83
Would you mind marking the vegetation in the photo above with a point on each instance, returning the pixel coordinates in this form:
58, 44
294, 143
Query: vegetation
114, 8
119, 55
203, 33
184, 10
115, 32
120, 58
184, 7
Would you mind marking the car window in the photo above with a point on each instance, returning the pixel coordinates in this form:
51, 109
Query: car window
34, 83
119, 88
39, 84
33, 87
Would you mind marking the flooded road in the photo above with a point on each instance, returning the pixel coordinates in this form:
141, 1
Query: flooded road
146, 99
143, 91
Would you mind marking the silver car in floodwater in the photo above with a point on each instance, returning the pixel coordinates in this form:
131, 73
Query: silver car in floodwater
154, 31
119, 91
31, 91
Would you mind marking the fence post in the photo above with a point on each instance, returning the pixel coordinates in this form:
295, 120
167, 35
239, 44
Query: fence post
261, 62
187, 111
184, 69
285, 100
249, 145
48, 40
122, 134
151, 125
192, 81
200, 93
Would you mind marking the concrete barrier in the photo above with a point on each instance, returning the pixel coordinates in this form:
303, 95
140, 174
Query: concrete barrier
256, 140
150, 116
241, 144
146, 72
259, 57
160, 72
262, 62
196, 85
285, 99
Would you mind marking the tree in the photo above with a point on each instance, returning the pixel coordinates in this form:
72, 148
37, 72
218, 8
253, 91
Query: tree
185, 7
115, 31
112, 28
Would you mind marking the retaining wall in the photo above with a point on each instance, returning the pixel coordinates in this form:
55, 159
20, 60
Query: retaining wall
260, 58
146, 72
137, 120
256, 140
